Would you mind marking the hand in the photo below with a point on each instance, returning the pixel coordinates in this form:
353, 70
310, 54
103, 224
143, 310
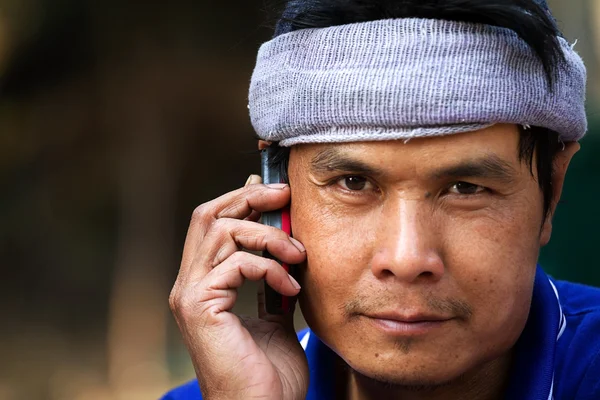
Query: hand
238, 358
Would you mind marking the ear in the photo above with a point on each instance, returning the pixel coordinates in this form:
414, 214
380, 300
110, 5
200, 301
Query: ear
561, 164
262, 144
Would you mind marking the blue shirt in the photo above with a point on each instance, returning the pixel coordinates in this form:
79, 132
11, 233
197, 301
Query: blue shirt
557, 356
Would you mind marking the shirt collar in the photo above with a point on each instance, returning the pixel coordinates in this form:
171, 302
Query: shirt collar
532, 375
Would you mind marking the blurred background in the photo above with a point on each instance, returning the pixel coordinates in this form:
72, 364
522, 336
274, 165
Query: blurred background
118, 118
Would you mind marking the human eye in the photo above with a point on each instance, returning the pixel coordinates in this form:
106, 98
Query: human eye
354, 183
466, 189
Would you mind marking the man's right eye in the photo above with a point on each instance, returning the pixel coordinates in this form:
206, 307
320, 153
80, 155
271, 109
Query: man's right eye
353, 183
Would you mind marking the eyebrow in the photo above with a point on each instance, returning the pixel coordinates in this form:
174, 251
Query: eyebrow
489, 166
330, 160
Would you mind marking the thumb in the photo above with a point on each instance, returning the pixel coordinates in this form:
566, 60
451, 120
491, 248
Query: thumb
253, 180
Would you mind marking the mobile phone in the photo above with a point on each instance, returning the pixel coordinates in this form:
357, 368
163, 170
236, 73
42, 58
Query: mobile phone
275, 303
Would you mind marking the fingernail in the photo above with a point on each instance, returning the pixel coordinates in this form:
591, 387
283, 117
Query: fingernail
298, 245
295, 283
253, 179
278, 186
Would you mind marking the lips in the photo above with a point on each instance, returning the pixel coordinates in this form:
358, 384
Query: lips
409, 318
415, 324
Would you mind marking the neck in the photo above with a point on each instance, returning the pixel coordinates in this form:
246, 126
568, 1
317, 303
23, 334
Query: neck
486, 382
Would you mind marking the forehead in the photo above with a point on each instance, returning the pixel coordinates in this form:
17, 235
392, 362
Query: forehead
500, 141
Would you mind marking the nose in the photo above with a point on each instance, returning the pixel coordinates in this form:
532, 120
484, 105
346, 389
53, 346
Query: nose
408, 245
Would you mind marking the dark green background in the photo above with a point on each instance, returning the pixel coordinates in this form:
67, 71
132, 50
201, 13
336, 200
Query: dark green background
573, 251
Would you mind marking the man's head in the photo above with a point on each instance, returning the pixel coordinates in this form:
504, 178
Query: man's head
444, 223
443, 228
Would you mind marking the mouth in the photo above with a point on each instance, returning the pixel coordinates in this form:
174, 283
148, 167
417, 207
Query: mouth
407, 325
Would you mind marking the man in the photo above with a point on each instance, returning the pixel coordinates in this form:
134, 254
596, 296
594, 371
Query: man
426, 145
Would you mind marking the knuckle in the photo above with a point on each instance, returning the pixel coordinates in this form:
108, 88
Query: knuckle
281, 281
199, 214
250, 268
173, 300
239, 257
219, 234
178, 303
235, 207
241, 260
274, 265
257, 241
183, 302
275, 233
249, 265
220, 226
284, 237
254, 270
186, 304
223, 253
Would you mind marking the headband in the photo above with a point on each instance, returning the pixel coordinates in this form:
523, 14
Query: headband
409, 78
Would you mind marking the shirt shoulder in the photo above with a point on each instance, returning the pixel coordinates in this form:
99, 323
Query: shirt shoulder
188, 391
191, 390
576, 298
577, 358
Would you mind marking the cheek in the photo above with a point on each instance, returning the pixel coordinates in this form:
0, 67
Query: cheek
337, 257
491, 259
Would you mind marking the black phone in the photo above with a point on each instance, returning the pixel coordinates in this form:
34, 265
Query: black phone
275, 303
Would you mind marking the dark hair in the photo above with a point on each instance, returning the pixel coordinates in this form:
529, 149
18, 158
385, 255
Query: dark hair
530, 19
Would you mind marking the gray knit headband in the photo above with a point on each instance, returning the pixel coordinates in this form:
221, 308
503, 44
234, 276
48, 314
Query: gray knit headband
408, 78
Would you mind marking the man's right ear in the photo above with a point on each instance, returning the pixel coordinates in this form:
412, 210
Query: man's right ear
263, 144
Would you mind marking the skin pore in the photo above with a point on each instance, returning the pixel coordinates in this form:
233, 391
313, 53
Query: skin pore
442, 234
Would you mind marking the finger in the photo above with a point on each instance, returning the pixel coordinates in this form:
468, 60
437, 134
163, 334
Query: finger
228, 236
241, 202
238, 204
216, 288
253, 217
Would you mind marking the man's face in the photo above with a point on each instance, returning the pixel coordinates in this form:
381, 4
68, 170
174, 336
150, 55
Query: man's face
421, 255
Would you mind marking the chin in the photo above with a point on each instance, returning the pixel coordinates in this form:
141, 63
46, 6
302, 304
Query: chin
408, 380
422, 375
417, 365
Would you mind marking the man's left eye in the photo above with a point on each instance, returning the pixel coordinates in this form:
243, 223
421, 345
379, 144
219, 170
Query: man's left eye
466, 188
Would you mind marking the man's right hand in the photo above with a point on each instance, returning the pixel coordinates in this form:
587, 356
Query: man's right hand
238, 358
